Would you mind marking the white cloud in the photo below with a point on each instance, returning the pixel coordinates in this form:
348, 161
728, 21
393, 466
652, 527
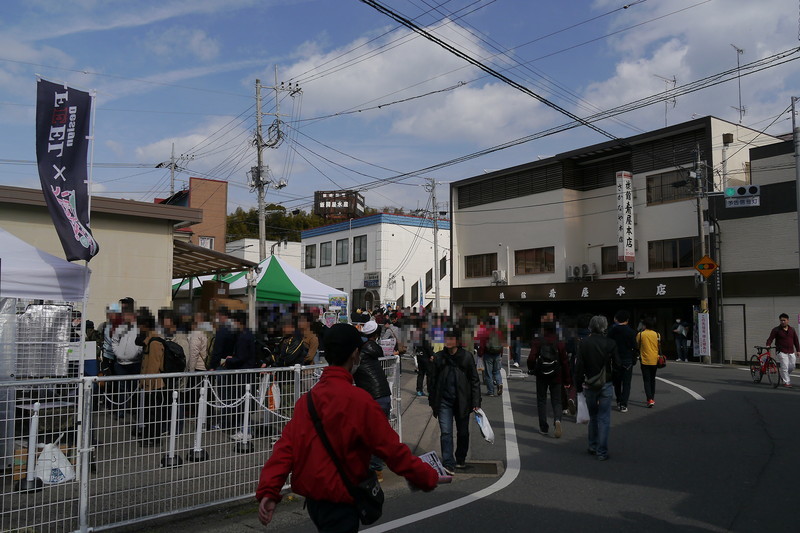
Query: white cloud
694, 44
382, 71
483, 115
176, 43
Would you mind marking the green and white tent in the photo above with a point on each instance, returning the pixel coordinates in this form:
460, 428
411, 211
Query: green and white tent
276, 282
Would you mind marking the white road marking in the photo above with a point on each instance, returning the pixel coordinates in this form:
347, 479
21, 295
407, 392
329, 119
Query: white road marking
692, 393
508, 477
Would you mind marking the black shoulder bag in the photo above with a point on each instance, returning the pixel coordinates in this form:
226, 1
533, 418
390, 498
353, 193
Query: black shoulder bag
368, 494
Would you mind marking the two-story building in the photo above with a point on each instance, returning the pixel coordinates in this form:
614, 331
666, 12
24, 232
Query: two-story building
381, 259
543, 237
758, 244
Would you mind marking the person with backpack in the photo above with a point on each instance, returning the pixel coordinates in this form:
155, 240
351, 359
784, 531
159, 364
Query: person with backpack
597, 354
155, 393
548, 361
490, 347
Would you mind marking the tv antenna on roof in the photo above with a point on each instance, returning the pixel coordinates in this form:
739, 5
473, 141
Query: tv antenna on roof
667, 81
741, 109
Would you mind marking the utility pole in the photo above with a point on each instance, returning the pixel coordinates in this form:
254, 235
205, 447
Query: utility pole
700, 175
258, 179
435, 214
796, 139
172, 172
259, 174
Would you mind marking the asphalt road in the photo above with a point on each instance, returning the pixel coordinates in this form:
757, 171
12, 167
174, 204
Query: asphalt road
723, 463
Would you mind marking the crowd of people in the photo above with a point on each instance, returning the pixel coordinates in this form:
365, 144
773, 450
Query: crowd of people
592, 362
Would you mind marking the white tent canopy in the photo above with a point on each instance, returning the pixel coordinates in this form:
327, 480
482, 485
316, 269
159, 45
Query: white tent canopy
276, 281
27, 272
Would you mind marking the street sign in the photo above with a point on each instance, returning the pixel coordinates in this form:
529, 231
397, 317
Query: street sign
706, 266
753, 201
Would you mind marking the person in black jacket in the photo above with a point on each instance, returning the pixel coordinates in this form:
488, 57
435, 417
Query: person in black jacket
455, 392
551, 367
369, 375
625, 337
596, 355
244, 352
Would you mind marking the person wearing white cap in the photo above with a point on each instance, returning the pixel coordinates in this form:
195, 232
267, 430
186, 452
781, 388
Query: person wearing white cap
370, 376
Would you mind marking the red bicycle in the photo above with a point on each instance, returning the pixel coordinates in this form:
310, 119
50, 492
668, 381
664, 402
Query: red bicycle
762, 364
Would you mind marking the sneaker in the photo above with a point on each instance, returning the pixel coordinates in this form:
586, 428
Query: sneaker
602, 457
787, 385
543, 431
449, 471
565, 412
420, 393
591, 451
461, 466
651, 403
500, 389
239, 436
557, 432
623, 408
515, 364
571, 407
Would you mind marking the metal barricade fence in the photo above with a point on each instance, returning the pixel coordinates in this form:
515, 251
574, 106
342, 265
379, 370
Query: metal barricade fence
139, 447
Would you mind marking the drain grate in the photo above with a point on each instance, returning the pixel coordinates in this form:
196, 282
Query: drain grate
481, 469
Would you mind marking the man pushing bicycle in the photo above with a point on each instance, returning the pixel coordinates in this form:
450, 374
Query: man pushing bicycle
786, 346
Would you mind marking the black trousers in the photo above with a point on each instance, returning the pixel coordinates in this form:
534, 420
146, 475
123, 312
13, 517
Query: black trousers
332, 517
543, 384
423, 371
622, 383
649, 379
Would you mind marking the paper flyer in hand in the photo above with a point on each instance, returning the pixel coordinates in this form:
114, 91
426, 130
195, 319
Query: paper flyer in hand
432, 459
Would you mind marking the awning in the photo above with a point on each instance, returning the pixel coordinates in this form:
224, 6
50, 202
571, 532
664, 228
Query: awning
192, 260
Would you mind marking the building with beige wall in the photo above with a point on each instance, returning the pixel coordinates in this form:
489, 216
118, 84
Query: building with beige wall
542, 237
135, 238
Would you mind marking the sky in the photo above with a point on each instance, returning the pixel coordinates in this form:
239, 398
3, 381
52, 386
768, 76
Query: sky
378, 104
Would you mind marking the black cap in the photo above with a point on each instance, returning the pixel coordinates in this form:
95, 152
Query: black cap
340, 341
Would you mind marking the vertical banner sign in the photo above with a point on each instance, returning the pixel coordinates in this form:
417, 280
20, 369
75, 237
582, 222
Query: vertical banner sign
625, 239
702, 335
62, 127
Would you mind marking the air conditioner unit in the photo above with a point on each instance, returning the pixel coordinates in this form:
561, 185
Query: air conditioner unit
588, 270
576, 272
498, 276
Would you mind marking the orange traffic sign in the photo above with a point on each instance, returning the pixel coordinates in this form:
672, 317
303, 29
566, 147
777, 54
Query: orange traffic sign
706, 266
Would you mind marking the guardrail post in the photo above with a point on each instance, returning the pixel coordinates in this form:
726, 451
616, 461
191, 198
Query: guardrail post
246, 444
398, 396
86, 451
198, 453
296, 383
170, 460
30, 483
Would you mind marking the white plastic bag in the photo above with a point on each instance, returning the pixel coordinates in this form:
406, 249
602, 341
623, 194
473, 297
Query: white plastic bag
52, 466
583, 410
483, 423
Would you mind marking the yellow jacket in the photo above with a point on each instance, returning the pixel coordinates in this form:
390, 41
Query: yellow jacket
648, 341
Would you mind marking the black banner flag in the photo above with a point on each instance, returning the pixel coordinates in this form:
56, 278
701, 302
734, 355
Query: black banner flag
62, 127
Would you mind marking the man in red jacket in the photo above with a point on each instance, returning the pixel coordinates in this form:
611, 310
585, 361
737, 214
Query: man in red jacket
356, 427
